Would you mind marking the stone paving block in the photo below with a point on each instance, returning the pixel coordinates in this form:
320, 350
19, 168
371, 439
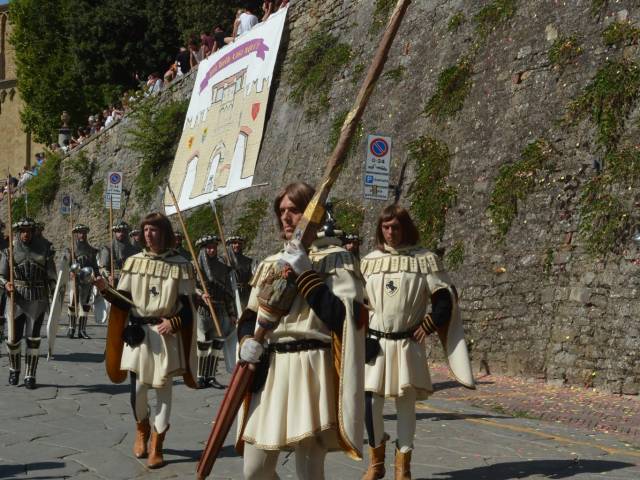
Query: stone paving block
111, 464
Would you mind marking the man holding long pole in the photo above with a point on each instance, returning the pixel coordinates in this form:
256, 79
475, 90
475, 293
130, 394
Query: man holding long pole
302, 399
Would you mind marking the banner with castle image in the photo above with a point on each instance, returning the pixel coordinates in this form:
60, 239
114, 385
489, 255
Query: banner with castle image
222, 133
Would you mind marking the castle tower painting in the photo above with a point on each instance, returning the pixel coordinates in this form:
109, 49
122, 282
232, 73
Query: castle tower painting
221, 138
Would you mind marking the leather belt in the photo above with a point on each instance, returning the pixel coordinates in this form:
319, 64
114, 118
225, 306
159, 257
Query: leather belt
394, 335
146, 320
298, 346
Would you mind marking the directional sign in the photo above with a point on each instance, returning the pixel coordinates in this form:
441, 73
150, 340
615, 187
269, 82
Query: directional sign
114, 182
65, 204
112, 200
377, 168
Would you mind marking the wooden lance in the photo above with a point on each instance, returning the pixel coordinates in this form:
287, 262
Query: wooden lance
112, 272
305, 232
11, 321
201, 278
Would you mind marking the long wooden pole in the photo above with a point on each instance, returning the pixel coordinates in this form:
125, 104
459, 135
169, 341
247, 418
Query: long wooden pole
113, 277
201, 278
306, 232
12, 303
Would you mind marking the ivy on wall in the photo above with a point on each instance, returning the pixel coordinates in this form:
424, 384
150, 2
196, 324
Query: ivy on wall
200, 221
349, 215
564, 50
314, 67
493, 16
453, 87
515, 181
155, 135
430, 195
41, 190
249, 222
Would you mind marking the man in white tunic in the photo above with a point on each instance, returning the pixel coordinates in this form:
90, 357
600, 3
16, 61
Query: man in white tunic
309, 380
155, 289
403, 280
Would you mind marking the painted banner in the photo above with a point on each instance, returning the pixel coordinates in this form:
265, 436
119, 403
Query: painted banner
222, 133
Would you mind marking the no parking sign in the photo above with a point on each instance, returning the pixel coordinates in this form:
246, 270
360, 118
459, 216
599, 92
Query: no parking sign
377, 168
114, 190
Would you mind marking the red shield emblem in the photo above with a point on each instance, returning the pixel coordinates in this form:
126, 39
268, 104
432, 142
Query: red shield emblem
255, 109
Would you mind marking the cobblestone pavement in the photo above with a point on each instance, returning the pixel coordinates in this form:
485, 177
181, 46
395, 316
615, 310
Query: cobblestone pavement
78, 425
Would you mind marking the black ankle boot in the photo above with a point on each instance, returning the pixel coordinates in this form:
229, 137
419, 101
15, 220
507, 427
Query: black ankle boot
30, 383
13, 377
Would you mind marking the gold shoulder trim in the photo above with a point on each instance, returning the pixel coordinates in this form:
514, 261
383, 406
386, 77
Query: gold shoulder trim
332, 259
158, 268
420, 261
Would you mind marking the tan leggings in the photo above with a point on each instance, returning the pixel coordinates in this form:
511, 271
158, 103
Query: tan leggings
310, 454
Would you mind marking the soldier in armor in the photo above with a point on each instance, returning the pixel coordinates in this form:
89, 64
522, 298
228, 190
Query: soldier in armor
85, 256
242, 266
218, 278
122, 249
135, 236
351, 243
4, 243
34, 276
179, 247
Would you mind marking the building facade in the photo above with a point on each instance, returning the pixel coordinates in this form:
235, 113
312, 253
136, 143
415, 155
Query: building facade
16, 147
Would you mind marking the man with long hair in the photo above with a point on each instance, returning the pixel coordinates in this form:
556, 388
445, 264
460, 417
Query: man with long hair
403, 280
309, 382
155, 288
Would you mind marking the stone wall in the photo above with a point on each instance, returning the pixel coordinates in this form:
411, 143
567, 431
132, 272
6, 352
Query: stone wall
535, 303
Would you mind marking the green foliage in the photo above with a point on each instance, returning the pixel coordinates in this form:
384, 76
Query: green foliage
349, 215
134, 220
84, 167
493, 15
430, 195
42, 189
456, 21
313, 69
515, 181
620, 33
454, 84
96, 195
358, 71
248, 224
200, 221
564, 50
605, 220
455, 256
381, 13
155, 137
395, 74
548, 262
608, 100
81, 55
336, 127
598, 6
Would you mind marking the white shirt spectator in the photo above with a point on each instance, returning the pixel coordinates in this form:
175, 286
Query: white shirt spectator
247, 22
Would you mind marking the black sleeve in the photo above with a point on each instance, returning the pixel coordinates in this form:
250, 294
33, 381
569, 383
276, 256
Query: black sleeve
322, 301
441, 307
247, 324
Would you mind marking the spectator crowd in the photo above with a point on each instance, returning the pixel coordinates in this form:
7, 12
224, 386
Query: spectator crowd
187, 59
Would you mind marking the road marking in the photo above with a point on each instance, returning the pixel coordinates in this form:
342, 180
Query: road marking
531, 431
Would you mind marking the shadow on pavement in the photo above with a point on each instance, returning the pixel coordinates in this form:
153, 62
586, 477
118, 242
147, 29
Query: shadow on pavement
12, 471
441, 417
79, 357
548, 468
194, 455
108, 388
439, 386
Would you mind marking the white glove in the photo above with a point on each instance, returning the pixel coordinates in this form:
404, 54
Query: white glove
295, 255
251, 350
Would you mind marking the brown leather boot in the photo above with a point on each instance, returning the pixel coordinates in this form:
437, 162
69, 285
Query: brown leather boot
143, 430
403, 465
376, 463
155, 459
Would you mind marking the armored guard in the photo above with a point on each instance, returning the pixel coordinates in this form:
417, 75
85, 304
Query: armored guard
84, 256
179, 238
218, 278
33, 278
137, 241
121, 248
243, 268
351, 243
4, 243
